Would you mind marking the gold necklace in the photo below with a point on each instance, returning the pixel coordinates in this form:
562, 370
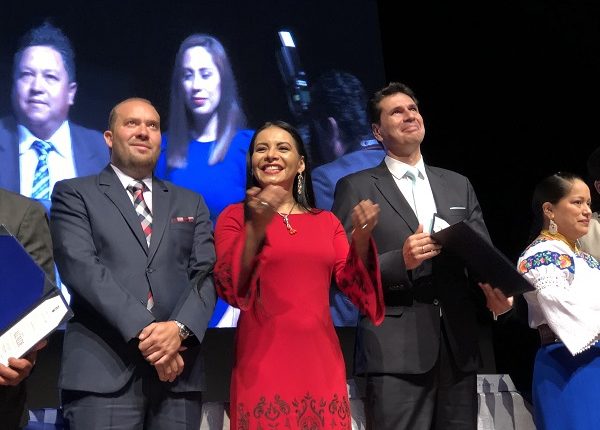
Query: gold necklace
558, 236
286, 220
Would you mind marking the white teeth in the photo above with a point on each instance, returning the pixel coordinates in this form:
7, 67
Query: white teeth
272, 168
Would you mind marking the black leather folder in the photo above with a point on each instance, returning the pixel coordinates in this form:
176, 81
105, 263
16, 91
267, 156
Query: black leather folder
482, 258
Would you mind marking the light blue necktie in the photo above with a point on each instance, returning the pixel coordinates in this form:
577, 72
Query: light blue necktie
41, 179
412, 175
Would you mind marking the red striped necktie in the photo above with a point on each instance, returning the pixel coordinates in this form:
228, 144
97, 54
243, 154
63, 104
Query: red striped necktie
145, 217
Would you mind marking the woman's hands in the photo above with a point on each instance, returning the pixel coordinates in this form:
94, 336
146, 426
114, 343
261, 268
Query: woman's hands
364, 219
262, 204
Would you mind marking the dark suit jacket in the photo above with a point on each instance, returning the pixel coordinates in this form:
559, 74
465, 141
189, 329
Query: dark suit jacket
26, 219
89, 151
102, 257
408, 340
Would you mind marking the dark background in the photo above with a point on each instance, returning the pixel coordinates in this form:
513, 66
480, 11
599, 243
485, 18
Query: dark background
508, 89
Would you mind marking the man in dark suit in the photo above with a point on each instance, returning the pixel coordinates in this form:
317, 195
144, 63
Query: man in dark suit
26, 219
44, 89
421, 362
138, 263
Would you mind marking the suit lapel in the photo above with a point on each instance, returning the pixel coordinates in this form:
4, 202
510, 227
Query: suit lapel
10, 177
82, 155
112, 187
384, 181
438, 188
160, 214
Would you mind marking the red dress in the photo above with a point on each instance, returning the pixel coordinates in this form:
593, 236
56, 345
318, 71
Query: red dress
289, 371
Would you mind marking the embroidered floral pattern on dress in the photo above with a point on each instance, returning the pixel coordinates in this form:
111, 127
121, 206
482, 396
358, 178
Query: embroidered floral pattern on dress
306, 413
359, 289
223, 281
546, 258
591, 261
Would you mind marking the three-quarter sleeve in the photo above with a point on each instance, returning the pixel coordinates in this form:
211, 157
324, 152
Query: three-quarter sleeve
230, 237
360, 283
566, 294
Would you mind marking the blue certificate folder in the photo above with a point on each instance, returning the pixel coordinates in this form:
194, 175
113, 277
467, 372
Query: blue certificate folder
23, 284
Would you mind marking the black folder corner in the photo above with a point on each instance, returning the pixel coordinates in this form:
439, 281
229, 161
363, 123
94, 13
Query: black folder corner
482, 258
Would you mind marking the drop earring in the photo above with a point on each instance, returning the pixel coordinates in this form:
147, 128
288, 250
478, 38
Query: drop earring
300, 183
552, 227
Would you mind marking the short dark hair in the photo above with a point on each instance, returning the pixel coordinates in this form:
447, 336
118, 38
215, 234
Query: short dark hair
340, 95
392, 88
593, 165
52, 37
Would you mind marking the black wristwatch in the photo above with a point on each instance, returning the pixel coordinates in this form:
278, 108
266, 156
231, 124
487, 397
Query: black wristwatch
184, 332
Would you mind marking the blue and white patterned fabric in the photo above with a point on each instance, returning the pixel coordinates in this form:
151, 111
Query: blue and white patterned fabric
567, 291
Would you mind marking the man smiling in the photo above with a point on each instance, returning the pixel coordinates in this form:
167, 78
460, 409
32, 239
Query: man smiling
137, 254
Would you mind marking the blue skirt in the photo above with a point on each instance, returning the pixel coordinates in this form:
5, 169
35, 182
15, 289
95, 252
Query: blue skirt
566, 388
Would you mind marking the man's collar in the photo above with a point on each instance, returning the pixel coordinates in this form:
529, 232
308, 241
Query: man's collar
60, 139
399, 168
126, 180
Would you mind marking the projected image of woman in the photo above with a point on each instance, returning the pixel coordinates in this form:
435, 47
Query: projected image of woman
205, 145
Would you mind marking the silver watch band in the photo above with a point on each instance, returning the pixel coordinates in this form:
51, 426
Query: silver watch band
184, 332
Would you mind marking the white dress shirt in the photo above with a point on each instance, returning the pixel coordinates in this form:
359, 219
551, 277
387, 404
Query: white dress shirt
420, 198
127, 180
61, 164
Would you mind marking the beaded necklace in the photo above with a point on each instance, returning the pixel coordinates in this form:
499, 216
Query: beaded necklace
286, 220
558, 236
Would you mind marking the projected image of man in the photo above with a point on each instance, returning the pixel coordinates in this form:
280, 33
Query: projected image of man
38, 144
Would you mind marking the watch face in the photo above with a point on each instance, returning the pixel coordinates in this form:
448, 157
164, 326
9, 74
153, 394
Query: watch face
183, 330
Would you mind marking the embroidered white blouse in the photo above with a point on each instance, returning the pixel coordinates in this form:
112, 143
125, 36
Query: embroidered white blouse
567, 291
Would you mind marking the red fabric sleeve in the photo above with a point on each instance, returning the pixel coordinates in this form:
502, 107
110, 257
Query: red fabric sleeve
230, 237
361, 285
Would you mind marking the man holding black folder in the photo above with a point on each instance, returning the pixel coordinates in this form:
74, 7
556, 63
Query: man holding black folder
26, 219
421, 363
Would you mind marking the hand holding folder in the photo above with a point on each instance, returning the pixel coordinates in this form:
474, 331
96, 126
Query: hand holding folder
481, 257
32, 307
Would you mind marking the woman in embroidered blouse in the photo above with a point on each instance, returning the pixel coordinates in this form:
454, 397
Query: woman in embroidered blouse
565, 307
276, 256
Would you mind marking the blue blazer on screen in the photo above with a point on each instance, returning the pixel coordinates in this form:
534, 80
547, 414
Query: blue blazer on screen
325, 177
89, 150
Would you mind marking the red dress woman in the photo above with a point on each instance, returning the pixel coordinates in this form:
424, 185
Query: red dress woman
276, 257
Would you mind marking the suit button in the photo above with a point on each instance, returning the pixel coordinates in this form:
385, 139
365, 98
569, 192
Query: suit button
149, 270
436, 302
395, 287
